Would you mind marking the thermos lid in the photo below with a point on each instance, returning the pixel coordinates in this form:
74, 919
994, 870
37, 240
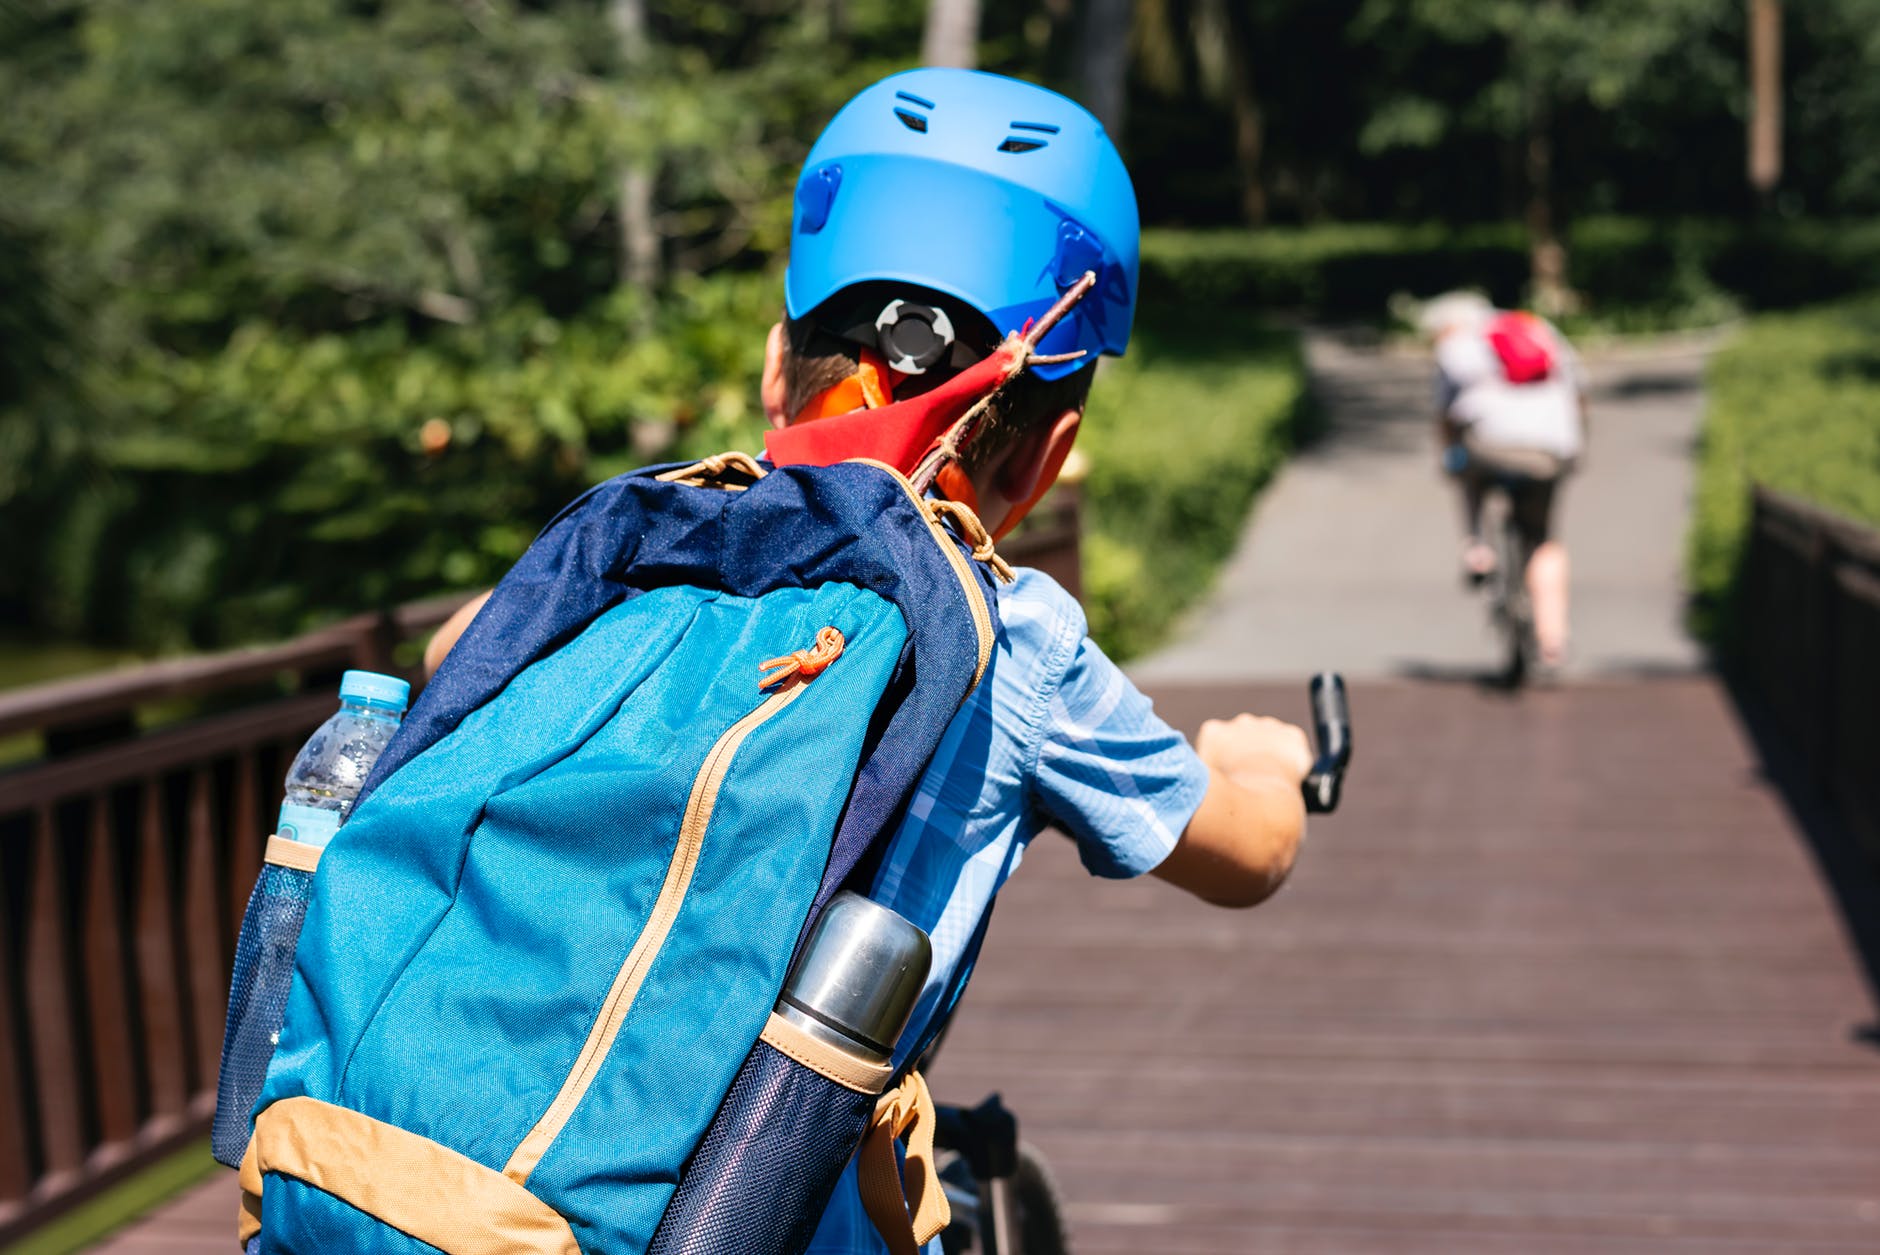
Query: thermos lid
861, 972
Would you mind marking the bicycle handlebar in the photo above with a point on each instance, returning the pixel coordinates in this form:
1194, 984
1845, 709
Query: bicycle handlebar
1331, 729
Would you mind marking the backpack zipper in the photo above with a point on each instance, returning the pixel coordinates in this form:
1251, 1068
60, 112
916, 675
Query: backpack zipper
632, 973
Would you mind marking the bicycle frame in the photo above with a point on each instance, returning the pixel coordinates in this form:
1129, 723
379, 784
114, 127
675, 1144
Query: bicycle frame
986, 1140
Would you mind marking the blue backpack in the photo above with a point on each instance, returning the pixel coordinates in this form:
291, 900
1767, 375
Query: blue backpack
531, 1010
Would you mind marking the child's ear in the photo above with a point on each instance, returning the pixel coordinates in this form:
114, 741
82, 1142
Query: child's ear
1038, 454
772, 390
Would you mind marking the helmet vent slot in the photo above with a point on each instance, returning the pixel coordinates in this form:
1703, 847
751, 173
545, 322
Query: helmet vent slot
911, 120
1016, 144
1046, 128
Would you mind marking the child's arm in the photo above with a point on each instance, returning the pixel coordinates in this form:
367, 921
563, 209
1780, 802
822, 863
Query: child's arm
1241, 842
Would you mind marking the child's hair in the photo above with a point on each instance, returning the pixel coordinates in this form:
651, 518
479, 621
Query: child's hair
815, 360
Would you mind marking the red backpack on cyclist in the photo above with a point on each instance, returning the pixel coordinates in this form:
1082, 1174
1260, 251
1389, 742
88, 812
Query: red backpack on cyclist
1524, 346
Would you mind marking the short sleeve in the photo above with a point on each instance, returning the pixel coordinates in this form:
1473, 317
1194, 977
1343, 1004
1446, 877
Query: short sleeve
1110, 772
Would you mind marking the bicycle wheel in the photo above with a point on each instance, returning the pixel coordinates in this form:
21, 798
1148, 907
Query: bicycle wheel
1041, 1223
1039, 1220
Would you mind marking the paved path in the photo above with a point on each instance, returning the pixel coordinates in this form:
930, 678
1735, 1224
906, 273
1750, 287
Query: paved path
1351, 557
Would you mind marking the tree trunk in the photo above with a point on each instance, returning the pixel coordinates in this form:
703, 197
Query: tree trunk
639, 237
952, 34
1547, 256
1765, 117
1103, 61
1249, 117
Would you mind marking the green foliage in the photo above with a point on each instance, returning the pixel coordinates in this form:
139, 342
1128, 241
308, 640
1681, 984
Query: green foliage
1343, 271
1181, 434
1546, 55
1794, 403
1832, 105
1636, 275
313, 306
294, 475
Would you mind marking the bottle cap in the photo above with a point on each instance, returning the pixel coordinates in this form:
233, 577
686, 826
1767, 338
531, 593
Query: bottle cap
379, 690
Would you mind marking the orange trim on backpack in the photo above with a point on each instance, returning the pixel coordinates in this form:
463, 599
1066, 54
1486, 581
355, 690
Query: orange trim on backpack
803, 664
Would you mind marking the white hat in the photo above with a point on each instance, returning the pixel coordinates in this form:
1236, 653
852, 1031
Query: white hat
1454, 311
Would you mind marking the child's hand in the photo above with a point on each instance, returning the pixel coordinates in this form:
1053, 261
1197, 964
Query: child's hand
1245, 834
1251, 746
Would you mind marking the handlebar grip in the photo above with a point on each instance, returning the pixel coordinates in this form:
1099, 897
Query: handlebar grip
1331, 716
1331, 727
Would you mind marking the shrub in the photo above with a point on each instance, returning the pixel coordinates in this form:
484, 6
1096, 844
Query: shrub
289, 478
1635, 274
1795, 404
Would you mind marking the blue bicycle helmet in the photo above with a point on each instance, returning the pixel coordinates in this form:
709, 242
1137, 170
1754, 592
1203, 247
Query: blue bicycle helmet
987, 189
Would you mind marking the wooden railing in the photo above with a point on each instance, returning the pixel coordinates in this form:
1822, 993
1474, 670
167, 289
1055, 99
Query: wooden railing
126, 858
1810, 646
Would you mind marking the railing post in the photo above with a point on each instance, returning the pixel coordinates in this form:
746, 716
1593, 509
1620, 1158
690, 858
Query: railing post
50, 1020
1819, 657
16, 1155
202, 933
157, 983
375, 638
107, 982
246, 841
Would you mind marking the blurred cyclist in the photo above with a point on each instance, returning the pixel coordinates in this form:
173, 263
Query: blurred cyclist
1511, 410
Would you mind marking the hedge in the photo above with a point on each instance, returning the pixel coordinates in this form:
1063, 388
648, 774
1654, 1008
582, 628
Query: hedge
1794, 403
1635, 274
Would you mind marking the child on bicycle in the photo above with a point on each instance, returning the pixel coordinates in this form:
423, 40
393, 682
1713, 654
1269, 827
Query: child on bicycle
963, 202
1511, 412
940, 210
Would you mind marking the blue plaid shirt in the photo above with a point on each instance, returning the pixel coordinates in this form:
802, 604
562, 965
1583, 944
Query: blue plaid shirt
1054, 735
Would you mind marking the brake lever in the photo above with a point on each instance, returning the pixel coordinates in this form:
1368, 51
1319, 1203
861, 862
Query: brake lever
1331, 729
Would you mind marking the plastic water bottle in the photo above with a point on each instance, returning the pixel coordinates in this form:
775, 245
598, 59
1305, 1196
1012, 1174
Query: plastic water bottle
337, 758
321, 785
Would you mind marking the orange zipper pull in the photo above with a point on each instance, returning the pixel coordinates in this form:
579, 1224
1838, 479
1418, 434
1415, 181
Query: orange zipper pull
804, 664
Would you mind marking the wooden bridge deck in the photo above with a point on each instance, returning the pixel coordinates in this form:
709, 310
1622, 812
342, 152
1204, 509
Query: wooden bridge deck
1562, 977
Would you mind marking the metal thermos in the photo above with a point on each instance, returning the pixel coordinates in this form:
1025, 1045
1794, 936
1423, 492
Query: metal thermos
763, 1174
858, 978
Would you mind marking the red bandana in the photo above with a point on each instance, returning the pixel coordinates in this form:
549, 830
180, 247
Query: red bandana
899, 434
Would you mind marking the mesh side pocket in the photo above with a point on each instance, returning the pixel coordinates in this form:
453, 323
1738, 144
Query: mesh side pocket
257, 1002
766, 1167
